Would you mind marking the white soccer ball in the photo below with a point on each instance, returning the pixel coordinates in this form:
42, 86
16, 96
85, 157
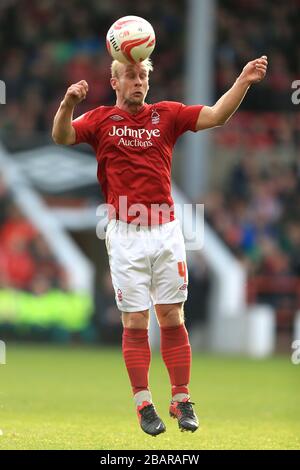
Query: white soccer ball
130, 40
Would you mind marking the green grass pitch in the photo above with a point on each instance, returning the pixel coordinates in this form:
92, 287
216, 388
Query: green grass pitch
79, 398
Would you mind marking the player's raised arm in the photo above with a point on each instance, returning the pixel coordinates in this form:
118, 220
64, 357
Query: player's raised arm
63, 131
225, 107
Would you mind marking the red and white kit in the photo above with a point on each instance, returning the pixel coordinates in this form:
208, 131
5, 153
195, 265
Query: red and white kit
134, 155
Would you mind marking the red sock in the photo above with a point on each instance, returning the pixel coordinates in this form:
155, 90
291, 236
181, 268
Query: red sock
176, 353
137, 355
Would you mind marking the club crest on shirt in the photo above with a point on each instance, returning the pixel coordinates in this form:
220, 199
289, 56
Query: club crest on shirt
116, 117
155, 117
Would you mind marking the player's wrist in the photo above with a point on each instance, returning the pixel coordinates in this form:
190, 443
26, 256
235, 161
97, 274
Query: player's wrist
66, 104
243, 81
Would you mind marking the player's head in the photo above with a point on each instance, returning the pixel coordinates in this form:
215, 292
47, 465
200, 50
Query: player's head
131, 82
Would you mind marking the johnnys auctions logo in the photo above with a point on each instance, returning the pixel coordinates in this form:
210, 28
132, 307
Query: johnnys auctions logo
136, 133
141, 137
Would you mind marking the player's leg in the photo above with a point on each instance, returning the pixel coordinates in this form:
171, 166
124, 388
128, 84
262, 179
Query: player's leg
137, 353
175, 348
137, 356
131, 277
169, 292
177, 356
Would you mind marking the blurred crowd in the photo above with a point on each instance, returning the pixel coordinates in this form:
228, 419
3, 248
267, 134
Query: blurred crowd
26, 261
263, 132
256, 212
258, 215
250, 28
50, 44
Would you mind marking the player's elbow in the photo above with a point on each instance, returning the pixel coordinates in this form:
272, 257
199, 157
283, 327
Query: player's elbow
209, 118
218, 122
56, 139
61, 140
221, 121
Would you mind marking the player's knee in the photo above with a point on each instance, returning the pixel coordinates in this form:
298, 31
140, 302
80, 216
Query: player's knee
137, 320
170, 315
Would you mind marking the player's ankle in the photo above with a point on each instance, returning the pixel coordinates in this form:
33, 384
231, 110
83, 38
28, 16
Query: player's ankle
180, 397
141, 397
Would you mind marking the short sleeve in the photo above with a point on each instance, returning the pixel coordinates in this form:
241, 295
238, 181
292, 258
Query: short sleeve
86, 128
186, 118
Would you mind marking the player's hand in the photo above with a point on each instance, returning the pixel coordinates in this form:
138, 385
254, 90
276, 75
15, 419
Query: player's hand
256, 70
76, 93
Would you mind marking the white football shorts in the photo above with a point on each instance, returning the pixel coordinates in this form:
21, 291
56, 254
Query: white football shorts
147, 263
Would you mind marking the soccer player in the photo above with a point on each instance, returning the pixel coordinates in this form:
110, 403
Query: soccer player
133, 143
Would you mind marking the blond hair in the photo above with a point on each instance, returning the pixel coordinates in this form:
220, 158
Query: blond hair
116, 64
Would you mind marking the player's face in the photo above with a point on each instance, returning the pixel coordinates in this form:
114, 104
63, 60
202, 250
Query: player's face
132, 84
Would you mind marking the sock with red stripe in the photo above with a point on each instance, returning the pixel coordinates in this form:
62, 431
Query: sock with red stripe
137, 356
176, 353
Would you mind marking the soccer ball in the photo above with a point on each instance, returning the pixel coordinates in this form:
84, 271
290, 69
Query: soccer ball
130, 40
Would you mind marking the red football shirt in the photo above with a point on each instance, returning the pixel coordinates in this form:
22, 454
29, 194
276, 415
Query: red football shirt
134, 155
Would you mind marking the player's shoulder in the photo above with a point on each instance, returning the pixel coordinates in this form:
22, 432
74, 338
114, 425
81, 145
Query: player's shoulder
171, 106
167, 104
89, 115
99, 112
